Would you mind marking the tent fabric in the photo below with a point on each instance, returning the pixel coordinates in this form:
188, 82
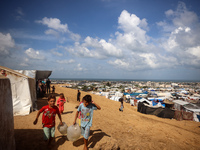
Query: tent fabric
115, 98
37, 74
7, 139
157, 111
23, 92
187, 115
178, 115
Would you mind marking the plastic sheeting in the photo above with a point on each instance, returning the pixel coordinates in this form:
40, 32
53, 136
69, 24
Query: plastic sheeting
159, 111
115, 98
23, 92
37, 74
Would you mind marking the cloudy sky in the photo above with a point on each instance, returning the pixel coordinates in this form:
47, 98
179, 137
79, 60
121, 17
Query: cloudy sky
111, 39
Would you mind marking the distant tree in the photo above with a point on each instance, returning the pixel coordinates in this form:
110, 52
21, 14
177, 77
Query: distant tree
84, 88
108, 84
120, 87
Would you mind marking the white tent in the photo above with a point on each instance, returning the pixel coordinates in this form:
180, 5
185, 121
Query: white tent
178, 104
115, 98
23, 92
36, 74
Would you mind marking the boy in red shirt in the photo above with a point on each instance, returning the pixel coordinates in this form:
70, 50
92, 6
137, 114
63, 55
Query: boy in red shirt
48, 118
60, 103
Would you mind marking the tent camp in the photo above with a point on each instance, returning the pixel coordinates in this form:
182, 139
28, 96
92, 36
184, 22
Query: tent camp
23, 92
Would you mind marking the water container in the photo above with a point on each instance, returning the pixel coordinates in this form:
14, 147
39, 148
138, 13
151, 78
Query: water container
62, 129
73, 132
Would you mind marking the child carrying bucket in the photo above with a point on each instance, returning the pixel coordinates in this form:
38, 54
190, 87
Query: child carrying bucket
48, 119
60, 102
86, 108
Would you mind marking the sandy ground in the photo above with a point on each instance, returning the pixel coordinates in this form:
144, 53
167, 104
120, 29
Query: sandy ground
111, 128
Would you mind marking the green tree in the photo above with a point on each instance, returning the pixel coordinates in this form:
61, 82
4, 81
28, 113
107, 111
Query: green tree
108, 84
84, 88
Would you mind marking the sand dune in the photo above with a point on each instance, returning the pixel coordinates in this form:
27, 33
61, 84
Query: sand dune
111, 128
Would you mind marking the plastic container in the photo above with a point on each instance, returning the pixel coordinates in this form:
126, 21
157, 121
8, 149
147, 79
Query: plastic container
63, 129
73, 132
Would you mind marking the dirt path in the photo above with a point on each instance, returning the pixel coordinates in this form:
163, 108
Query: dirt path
111, 128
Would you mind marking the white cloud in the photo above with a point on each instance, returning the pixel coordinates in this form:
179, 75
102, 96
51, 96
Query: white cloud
65, 61
130, 23
80, 68
54, 23
119, 63
6, 43
34, 54
56, 27
183, 17
110, 49
95, 48
150, 60
52, 32
54, 52
194, 51
134, 37
183, 40
74, 36
169, 13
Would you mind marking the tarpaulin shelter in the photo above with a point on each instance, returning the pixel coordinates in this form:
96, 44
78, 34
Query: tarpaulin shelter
154, 110
23, 91
157, 101
178, 104
194, 110
7, 139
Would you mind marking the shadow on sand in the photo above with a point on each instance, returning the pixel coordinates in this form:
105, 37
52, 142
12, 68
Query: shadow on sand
61, 140
30, 139
97, 135
68, 112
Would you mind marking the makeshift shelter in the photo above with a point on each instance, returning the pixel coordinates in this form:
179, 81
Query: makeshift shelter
115, 98
178, 104
23, 92
157, 101
194, 110
154, 110
37, 74
7, 139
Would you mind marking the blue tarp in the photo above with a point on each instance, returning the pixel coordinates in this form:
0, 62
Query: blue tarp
135, 94
156, 100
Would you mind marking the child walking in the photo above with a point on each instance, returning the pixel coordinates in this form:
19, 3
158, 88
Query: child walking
53, 89
60, 103
48, 119
86, 108
121, 105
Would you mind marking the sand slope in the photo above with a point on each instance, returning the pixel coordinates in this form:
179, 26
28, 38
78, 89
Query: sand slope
111, 128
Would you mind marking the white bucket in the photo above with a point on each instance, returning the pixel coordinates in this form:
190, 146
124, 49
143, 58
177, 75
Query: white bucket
62, 129
73, 132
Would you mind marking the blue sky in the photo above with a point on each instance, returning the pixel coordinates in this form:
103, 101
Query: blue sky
116, 39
